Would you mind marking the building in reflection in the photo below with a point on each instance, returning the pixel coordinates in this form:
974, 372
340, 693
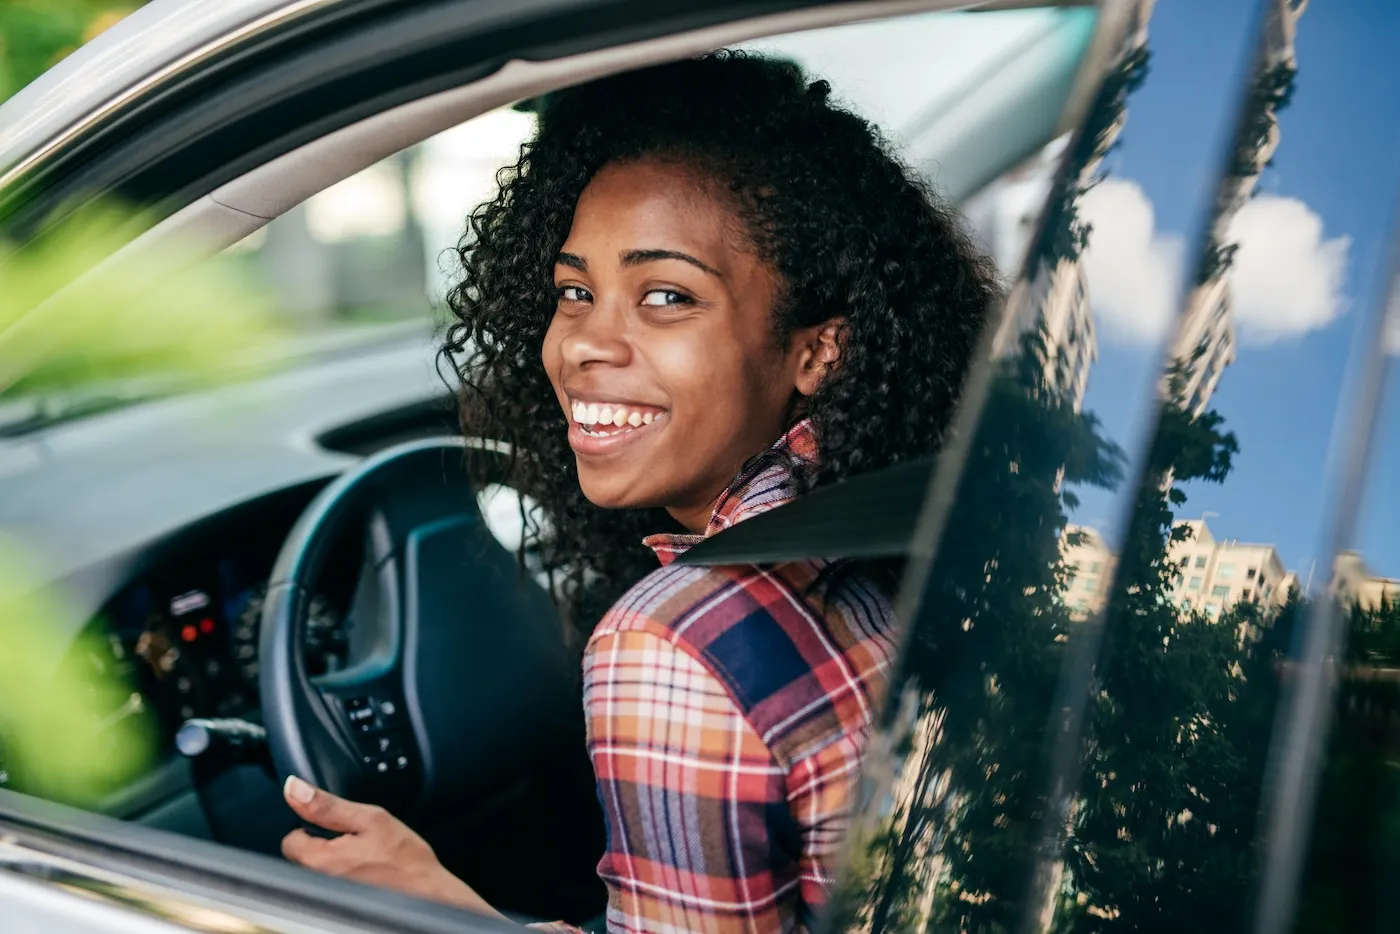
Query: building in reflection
1205, 341
1217, 574
1005, 216
1354, 584
1091, 567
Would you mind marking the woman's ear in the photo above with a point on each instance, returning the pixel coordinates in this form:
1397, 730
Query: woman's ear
819, 353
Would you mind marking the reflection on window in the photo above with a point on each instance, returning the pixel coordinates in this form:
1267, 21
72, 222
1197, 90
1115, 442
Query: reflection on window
1200, 561
1195, 584
1220, 590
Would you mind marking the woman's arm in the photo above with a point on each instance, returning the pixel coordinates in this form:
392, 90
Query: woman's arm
373, 847
706, 831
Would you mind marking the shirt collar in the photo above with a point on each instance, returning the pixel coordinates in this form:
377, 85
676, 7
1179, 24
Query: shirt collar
779, 475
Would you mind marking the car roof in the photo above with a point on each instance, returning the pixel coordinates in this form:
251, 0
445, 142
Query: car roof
162, 36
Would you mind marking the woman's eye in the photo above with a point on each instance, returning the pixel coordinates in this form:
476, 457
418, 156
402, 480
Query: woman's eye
660, 297
572, 293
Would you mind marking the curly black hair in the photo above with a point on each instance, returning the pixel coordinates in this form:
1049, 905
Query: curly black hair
850, 231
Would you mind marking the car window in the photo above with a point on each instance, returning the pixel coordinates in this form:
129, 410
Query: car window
151, 604
1180, 392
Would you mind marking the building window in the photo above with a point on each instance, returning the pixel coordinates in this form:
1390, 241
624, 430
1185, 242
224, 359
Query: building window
1200, 561
1225, 570
1249, 575
1220, 590
1096, 567
1212, 610
1245, 594
1186, 604
1091, 584
1195, 584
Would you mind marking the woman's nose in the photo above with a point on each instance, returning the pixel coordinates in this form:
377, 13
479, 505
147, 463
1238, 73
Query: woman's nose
597, 337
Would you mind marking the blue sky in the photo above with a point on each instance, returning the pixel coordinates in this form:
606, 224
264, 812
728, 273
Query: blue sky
1340, 157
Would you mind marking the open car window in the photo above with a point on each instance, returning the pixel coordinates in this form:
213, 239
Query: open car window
1148, 672
149, 617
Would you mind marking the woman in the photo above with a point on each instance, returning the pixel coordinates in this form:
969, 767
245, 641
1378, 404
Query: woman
703, 290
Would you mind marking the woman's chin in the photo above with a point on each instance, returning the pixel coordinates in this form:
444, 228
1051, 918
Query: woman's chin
607, 493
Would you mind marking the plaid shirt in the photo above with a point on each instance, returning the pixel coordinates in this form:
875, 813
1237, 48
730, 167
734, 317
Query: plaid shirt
726, 713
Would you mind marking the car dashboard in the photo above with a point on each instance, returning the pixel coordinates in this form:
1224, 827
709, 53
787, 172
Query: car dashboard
160, 536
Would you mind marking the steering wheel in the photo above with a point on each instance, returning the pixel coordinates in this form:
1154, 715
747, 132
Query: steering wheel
460, 709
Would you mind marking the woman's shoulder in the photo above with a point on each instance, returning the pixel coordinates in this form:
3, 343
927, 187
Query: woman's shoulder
769, 638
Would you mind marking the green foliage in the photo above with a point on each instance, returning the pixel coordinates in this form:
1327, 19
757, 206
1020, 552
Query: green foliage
70, 325
68, 729
36, 34
69, 322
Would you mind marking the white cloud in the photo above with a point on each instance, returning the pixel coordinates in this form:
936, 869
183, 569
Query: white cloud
1133, 271
1286, 279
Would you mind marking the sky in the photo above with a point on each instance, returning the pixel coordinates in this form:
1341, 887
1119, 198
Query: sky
1313, 245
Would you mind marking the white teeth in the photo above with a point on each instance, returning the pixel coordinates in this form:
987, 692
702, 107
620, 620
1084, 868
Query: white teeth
594, 415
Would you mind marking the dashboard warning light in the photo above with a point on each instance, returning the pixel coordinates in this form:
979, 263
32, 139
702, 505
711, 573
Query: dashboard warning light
206, 625
189, 633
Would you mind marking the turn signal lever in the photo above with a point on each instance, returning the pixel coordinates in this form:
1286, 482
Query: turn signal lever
223, 739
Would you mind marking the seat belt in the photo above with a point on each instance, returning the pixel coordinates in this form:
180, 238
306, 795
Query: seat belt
871, 515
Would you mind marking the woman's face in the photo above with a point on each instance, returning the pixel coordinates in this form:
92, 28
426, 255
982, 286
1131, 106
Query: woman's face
662, 350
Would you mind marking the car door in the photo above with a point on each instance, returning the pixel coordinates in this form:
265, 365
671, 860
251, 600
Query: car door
227, 119
1148, 682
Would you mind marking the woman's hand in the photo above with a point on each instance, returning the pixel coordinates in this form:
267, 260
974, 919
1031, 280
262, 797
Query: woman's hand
374, 847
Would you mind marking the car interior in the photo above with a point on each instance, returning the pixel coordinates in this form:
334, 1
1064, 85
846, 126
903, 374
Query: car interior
1150, 613
305, 605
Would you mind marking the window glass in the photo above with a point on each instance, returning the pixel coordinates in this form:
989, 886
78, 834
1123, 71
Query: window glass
1353, 844
1145, 813
1195, 583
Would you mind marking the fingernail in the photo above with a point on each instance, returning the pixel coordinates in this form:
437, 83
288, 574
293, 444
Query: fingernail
298, 790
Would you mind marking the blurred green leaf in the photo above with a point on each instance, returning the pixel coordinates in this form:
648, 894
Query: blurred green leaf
37, 34
73, 320
71, 730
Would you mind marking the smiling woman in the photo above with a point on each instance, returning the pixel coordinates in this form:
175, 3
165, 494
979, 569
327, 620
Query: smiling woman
703, 291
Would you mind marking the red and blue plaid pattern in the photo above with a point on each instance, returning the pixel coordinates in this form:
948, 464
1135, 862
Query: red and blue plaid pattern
727, 710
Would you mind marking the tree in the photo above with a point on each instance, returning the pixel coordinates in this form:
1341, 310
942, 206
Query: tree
36, 34
982, 666
1356, 827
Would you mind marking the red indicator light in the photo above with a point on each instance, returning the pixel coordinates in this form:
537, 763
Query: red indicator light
189, 633
206, 625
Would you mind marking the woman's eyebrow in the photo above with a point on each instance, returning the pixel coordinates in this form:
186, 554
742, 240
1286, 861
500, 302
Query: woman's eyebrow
575, 262
639, 257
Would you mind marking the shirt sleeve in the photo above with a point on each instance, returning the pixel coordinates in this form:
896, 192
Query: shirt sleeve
701, 834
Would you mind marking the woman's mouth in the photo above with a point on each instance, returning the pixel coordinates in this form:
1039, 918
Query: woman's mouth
601, 427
